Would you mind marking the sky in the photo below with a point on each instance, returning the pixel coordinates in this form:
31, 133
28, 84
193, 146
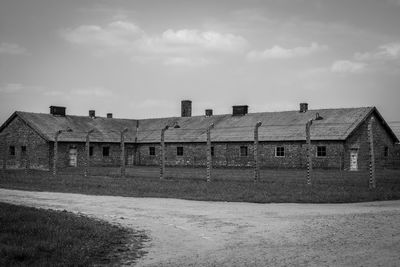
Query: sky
139, 59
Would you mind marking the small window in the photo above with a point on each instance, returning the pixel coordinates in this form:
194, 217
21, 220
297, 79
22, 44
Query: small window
179, 151
91, 149
243, 151
152, 151
386, 151
12, 150
279, 151
23, 151
106, 151
321, 151
212, 151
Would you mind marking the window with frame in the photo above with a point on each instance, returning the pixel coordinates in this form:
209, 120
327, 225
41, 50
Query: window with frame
321, 151
243, 151
179, 151
152, 151
11, 150
212, 151
91, 149
106, 151
23, 151
386, 151
279, 151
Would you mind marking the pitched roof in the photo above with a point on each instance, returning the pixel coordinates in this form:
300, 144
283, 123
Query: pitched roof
105, 130
337, 124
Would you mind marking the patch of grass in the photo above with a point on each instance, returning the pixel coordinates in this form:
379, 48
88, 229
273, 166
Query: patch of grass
328, 186
38, 237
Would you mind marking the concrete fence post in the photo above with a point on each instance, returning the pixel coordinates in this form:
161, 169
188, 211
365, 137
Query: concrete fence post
28, 151
5, 152
162, 152
87, 160
309, 156
256, 153
87, 150
123, 152
209, 156
55, 153
372, 180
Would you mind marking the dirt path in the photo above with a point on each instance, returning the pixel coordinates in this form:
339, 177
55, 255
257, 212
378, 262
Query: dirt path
195, 233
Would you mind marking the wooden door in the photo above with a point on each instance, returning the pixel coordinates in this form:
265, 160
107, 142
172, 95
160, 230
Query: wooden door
354, 160
130, 156
73, 157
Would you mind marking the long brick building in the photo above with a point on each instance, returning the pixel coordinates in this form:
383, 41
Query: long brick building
340, 138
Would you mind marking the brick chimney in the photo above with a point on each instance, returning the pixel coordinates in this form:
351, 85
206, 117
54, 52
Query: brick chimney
186, 108
303, 107
57, 111
109, 115
240, 110
209, 112
92, 113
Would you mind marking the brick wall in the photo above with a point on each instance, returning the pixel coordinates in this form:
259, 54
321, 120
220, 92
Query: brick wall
21, 135
396, 156
359, 140
228, 154
97, 158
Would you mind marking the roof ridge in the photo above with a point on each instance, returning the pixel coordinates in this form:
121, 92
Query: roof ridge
196, 116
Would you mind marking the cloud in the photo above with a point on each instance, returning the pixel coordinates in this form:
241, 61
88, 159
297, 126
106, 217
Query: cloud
385, 58
171, 47
54, 93
95, 91
347, 66
278, 52
188, 61
153, 103
208, 40
11, 88
84, 92
116, 34
390, 51
11, 49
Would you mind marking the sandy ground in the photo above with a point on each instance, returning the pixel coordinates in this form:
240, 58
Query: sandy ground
198, 233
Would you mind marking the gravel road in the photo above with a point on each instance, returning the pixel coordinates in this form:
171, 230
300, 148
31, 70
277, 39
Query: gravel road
199, 233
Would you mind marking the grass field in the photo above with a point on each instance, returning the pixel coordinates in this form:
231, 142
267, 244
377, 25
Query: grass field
37, 237
328, 186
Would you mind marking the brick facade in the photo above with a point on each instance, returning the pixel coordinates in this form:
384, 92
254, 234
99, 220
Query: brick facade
97, 158
21, 137
229, 154
359, 141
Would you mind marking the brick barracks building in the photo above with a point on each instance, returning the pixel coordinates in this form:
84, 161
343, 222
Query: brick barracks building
340, 139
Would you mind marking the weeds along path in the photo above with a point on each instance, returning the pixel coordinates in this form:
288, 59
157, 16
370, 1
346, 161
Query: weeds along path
196, 233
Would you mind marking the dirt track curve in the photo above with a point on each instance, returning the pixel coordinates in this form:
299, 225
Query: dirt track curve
198, 233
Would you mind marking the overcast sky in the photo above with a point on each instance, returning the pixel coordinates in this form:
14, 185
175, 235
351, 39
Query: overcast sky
139, 59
